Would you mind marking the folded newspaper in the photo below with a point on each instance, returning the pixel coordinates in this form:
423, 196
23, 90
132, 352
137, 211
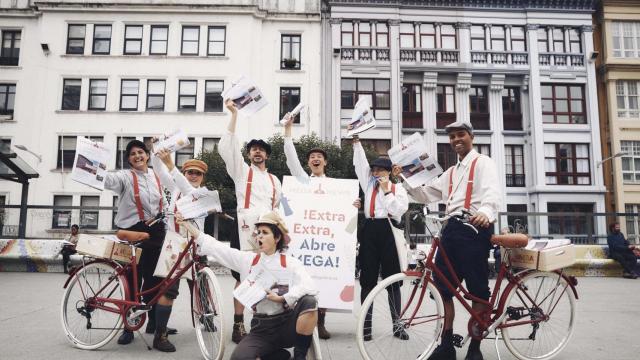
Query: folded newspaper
255, 287
546, 244
171, 141
417, 166
362, 118
199, 203
90, 164
246, 95
292, 114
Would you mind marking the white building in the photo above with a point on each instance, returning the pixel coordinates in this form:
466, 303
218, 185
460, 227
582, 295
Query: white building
133, 69
521, 71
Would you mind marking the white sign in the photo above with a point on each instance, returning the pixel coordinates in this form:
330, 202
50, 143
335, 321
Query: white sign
322, 223
417, 166
199, 203
362, 117
246, 95
172, 141
90, 164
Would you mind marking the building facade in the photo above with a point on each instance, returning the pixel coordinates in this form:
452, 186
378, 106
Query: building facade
135, 69
618, 42
520, 71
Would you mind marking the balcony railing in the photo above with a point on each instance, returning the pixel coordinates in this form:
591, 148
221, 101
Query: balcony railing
500, 57
443, 119
512, 121
9, 60
480, 121
429, 56
561, 59
515, 180
412, 120
365, 53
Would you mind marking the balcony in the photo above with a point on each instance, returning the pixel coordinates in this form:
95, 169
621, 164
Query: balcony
429, 56
512, 121
561, 59
480, 121
412, 120
500, 57
9, 60
515, 180
364, 53
443, 119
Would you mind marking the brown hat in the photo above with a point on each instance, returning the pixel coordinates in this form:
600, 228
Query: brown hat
273, 218
194, 164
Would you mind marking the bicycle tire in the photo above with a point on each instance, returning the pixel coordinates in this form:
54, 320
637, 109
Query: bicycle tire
208, 314
424, 331
553, 297
85, 326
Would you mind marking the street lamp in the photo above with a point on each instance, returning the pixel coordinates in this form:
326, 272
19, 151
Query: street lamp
620, 154
24, 148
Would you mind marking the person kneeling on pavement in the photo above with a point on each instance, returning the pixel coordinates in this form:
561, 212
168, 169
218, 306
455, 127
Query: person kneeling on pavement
288, 314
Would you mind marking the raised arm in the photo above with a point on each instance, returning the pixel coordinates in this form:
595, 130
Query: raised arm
293, 163
162, 166
361, 164
229, 147
115, 182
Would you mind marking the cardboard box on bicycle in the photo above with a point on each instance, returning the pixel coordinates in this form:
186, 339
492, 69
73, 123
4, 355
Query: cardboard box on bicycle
104, 248
545, 259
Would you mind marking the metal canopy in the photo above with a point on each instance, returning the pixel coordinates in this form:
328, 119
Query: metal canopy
13, 168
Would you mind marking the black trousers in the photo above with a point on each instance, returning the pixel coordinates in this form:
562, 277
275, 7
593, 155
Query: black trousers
626, 258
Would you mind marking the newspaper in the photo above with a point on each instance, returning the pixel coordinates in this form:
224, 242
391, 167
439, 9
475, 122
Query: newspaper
171, 141
90, 164
417, 166
246, 95
362, 117
539, 245
199, 203
254, 288
292, 114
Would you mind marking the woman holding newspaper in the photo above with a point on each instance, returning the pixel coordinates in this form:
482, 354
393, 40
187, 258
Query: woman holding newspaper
276, 286
140, 207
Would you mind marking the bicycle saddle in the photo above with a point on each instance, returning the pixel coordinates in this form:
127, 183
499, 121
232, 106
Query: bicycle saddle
510, 240
132, 236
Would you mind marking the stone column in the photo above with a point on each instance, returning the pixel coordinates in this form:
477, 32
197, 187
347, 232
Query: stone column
535, 111
395, 86
332, 125
464, 42
592, 105
497, 138
429, 108
462, 97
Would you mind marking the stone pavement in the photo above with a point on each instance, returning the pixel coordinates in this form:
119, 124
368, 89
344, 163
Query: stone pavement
607, 324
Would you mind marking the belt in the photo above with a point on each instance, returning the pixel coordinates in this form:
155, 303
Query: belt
267, 317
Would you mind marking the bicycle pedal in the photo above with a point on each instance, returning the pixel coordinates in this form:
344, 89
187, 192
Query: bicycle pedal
457, 340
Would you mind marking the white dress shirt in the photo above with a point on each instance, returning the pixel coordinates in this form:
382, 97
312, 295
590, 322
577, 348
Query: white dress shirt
121, 183
261, 187
389, 205
485, 195
295, 275
295, 168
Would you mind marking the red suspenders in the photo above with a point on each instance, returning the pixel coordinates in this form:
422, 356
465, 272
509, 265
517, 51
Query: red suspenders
472, 171
283, 260
136, 194
247, 193
372, 203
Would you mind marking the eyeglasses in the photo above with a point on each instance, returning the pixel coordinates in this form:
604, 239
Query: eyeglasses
194, 172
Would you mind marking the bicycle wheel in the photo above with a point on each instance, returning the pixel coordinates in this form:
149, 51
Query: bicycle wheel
86, 326
541, 295
208, 314
386, 319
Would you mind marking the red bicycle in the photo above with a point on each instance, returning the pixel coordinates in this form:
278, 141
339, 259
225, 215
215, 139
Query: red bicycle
96, 305
533, 311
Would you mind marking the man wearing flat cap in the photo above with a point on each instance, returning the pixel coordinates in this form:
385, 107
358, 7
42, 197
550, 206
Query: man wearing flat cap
257, 192
383, 202
471, 185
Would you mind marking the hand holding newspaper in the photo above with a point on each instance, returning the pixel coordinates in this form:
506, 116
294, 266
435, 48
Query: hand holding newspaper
255, 287
245, 95
362, 118
417, 166
199, 203
292, 114
171, 141
90, 165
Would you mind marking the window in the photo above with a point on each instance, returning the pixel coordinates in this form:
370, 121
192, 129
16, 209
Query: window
132, 40
626, 39
114, 213
543, 41
5, 146
567, 164
518, 39
10, 47
447, 157
216, 40
575, 45
7, 98
382, 35
631, 161
427, 36
190, 40
377, 90
380, 146
446, 111
89, 218
289, 99
290, 52
3, 202
97, 94
633, 225
627, 99
185, 153
346, 32
71, 94
364, 34
159, 37
213, 95
514, 165
155, 95
563, 104
448, 37
209, 144
67, 150
122, 158
484, 149
187, 96
75, 38
570, 224
61, 217
477, 38
479, 107
558, 40
497, 38
10, 53
129, 94
101, 39
517, 223
412, 106
407, 38
511, 110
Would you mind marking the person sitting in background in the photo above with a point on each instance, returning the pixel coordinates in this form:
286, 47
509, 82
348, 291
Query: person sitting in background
69, 248
621, 251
